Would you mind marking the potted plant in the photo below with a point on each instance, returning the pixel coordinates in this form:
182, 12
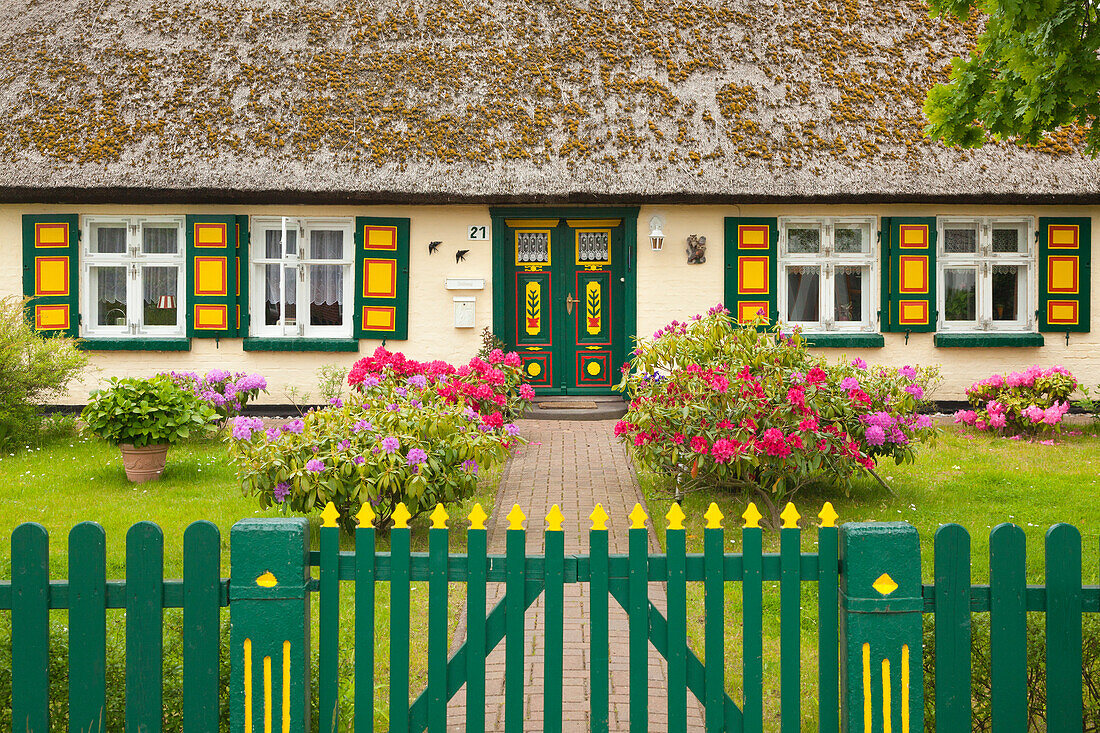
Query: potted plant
143, 417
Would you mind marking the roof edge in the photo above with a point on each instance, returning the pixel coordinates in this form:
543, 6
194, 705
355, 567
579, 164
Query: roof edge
206, 196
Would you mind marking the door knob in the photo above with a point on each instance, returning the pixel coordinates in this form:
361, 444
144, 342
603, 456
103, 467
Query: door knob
569, 303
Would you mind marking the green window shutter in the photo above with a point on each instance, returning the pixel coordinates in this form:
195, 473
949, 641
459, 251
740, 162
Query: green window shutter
909, 256
243, 240
381, 278
885, 301
1065, 251
211, 276
752, 244
51, 272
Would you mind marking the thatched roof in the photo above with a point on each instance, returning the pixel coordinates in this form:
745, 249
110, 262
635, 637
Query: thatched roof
494, 100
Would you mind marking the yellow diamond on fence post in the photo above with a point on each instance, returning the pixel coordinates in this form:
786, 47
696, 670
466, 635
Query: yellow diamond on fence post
713, 517
599, 517
366, 516
516, 517
477, 517
752, 517
401, 516
828, 515
329, 515
790, 516
554, 519
439, 517
675, 517
885, 584
637, 517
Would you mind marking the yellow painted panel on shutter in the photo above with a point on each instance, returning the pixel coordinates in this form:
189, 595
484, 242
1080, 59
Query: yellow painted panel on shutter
51, 235
379, 318
752, 274
913, 312
51, 276
380, 238
747, 310
914, 274
1062, 274
211, 317
211, 276
51, 317
380, 279
1062, 312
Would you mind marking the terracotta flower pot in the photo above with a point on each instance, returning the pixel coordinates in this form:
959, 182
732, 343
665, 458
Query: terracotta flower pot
143, 464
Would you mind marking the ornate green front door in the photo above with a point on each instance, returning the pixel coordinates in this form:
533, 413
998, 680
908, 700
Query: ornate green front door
565, 300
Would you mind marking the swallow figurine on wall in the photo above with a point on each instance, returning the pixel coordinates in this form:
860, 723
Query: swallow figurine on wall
460, 255
433, 246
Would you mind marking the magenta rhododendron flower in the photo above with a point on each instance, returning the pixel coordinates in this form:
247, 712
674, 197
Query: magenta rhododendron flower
699, 444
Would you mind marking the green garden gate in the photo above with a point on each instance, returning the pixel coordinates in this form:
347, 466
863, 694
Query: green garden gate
869, 623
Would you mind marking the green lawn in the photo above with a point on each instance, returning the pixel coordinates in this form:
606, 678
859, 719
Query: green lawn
70, 479
975, 481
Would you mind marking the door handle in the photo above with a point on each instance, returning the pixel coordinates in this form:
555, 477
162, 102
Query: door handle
569, 303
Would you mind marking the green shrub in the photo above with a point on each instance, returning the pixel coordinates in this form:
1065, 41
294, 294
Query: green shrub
409, 433
145, 412
745, 407
33, 370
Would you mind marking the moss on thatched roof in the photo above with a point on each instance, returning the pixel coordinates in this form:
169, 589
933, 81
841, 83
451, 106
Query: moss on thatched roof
483, 99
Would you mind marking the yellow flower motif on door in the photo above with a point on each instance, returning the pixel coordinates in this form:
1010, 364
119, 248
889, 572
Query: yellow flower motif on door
593, 308
533, 308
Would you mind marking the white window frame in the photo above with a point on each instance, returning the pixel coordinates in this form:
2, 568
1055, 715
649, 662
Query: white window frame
258, 260
983, 259
134, 260
827, 259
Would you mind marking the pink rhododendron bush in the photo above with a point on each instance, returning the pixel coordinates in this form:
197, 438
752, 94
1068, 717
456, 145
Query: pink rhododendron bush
411, 432
748, 408
1020, 403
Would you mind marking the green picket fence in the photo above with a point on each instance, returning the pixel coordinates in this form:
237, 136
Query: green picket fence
88, 595
870, 603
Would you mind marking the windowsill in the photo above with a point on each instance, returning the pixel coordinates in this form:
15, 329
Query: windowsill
300, 344
144, 343
988, 340
845, 340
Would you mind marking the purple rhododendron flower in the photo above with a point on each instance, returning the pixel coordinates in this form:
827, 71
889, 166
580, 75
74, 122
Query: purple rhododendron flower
401, 391
415, 457
359, 460
417, 380
273, 434
371, 381
849, 383
875, 435
470, 413
915, 390
314, 465
362, 425
393, 407
470, 466
344, 444
336, 402
243, 427
908, 372
295, 426
859, 363
511, 429
280, 492
390, 444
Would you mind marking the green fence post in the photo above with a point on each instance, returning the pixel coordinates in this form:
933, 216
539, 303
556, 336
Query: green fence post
269, 625
882, 685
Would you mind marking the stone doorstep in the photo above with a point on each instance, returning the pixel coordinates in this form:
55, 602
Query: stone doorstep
567, 405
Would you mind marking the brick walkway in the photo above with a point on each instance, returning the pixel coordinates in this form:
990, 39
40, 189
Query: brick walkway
574, 465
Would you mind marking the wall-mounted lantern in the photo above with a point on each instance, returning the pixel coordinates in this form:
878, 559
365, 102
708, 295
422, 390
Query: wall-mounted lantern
656, 233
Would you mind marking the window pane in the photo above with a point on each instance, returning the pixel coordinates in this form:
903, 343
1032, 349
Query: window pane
273, 294
109, 239
159, 292
159, 240
801, 241
326, 245
273, 240
1009, 285
960, 294
803, 287
290, 293
848, 284
960, 241
326, 295
109, 295
1008, 239
850, 238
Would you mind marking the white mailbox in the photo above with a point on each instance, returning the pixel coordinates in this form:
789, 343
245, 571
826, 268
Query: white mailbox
464, 312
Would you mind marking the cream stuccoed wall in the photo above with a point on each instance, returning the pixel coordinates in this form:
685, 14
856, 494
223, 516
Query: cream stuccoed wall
432, 334
667, 288
670, 288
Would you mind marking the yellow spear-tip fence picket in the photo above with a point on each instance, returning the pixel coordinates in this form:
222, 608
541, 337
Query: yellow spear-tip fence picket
870, 601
